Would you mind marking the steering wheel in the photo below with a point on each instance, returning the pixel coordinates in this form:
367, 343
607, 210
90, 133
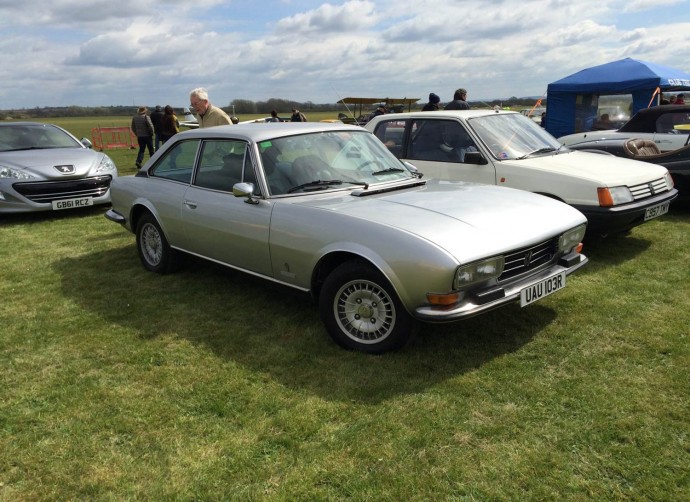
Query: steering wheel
363, 167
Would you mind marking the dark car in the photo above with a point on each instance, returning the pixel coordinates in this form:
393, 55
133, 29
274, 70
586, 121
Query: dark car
667, 126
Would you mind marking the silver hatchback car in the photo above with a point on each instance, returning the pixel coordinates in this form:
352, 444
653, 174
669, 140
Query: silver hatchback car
45, 168
327, 209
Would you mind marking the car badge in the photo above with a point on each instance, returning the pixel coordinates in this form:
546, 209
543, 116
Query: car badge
528, 258
67, 169
651, 189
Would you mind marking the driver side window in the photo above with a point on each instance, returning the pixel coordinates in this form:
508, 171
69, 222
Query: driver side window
440, 140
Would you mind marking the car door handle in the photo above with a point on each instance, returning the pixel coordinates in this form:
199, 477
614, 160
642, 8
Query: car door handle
190, 204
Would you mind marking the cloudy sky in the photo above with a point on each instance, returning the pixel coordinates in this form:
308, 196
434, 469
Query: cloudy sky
132, 52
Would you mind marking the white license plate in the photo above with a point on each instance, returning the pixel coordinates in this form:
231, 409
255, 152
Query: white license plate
71, 203
543, 288
654, 211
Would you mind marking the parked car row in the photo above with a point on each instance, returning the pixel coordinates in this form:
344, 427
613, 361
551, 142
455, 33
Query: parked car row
449, 215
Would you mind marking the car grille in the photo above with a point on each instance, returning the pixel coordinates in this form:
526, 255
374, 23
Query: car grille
645, 190
48, 191
529, 258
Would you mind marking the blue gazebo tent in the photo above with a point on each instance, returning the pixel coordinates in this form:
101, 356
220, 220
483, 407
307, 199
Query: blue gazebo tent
568, 97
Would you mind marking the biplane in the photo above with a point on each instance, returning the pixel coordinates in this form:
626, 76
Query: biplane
359, 116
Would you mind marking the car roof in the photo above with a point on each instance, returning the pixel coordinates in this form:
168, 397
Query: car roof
645, 119
257, 132
468, 114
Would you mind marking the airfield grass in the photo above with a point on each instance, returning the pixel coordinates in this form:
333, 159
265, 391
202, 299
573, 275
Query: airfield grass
209, 384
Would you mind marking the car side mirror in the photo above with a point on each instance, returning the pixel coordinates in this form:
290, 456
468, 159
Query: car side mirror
475, 158
86, 142
245, 190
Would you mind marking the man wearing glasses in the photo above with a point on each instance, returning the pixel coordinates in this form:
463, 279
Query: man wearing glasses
207, 114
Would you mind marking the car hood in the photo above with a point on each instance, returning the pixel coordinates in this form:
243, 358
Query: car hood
605, 170
43, 162
459, 216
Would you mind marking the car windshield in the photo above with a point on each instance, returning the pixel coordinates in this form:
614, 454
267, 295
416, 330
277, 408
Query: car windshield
328, 159
513, 136
34, 137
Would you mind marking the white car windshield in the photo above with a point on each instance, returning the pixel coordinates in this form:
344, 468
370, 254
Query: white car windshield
513, 136
330, 159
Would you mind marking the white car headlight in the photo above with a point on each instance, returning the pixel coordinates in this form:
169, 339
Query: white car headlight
106, 165
8, 172
478, 271
571, 238
612, 196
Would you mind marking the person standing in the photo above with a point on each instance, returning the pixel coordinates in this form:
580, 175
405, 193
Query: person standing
142, 127
169, 124
208, 115
156, 120
274, 117
297, 116
433, 103
459, 101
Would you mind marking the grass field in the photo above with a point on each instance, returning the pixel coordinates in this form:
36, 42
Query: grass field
211, 385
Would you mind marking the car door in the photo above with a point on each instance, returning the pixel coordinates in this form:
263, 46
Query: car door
672, 131
437, 147
220, 226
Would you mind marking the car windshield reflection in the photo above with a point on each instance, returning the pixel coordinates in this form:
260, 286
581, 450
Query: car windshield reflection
513, 136
328, 160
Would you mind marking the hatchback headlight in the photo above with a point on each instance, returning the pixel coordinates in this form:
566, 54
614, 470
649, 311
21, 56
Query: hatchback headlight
571, 238
612, 196
106, 165
8, 172
478, 271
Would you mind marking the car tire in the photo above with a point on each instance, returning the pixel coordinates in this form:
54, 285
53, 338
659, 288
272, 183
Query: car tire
362, 312
154, 251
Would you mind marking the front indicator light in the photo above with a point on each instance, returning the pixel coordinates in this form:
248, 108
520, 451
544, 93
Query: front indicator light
443, 299
612, 196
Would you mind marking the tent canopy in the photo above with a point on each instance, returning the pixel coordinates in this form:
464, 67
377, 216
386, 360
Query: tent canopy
626, 76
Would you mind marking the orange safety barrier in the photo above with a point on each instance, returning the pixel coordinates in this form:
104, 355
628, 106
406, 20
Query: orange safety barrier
113, 137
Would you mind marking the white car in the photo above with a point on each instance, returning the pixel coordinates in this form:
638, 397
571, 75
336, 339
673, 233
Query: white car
667, 125
508, 149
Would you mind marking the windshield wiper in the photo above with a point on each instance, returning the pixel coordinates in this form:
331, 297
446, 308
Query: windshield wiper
321, 184
388, 170
536, 152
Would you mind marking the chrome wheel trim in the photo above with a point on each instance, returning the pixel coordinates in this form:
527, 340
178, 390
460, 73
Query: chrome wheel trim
151, 244
364, 311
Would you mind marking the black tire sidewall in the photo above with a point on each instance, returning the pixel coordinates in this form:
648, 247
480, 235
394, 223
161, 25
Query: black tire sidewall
164, 265
404, 328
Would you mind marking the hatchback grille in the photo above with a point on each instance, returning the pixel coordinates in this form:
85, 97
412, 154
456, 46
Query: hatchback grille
645, 190
48, 191
526, 259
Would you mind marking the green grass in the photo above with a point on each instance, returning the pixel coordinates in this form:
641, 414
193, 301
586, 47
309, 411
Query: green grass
209, 384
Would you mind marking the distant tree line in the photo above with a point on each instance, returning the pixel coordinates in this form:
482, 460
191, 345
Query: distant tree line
236, 106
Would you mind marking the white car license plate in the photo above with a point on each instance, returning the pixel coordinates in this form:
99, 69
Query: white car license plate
71, 203
545, 287
654, 211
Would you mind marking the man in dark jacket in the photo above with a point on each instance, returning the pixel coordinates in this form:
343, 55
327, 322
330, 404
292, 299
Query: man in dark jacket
459, 101
433, 103
143, 129
157, 121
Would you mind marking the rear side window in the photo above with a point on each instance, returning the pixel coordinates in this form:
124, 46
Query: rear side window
178, 162
439, 140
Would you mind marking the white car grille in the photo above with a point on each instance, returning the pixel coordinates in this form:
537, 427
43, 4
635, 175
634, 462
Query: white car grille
645, 190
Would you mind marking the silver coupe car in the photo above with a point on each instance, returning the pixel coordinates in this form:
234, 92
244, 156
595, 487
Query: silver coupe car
45, 168
327, 209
